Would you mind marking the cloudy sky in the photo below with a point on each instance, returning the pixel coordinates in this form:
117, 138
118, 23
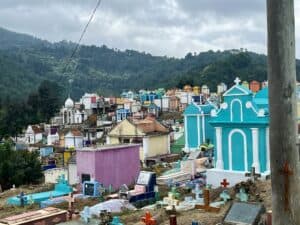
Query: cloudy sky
160, 27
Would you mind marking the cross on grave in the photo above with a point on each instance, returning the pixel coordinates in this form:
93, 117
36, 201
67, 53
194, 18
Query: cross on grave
224, 183
71, 201
198, 192
242, 195
116, 221
148, 219
253, 175
206, 205
237, 81
86, 215
225, 196
286, 172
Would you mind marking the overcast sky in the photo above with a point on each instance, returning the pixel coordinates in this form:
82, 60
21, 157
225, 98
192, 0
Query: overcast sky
160, 27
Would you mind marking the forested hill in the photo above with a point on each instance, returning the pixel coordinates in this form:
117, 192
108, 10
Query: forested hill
25, 61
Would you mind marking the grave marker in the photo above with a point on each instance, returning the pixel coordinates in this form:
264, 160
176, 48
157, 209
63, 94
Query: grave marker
225, 196
198, 192
242, 195
206, 205
253, 175
148, 219
116, 221
224, 183
243, 213
86, 215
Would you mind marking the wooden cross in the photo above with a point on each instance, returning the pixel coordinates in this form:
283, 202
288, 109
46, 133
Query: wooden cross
224, 183
148, 219
253, 174
206, 205
286, 172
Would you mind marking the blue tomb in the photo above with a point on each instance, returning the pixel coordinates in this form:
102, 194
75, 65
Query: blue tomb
62, 188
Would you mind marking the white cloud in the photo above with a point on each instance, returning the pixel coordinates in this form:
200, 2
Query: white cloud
161, 27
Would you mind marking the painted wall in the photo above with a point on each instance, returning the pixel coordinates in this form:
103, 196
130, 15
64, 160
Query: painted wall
158, 145
116, 166
72, 174
52, 175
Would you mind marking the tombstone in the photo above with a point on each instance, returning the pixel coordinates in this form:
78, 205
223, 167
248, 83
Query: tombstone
242, 195
116, 221
243, 213
148, 219
225, 196
198, 192
86, 214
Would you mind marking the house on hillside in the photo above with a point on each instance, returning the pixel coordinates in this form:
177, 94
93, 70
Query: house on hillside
33, 134
153, 136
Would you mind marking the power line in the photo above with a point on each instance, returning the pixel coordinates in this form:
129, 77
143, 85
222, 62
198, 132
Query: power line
82, 35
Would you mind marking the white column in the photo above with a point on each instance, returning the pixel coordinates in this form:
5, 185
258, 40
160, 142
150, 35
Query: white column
145, 147
198, 130
219, 164
255, 148
268, 148
185, 133
169, 144
203, 127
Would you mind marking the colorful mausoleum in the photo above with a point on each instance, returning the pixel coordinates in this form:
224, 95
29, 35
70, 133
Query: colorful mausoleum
239, 130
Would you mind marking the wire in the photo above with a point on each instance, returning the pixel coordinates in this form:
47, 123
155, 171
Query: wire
82, 35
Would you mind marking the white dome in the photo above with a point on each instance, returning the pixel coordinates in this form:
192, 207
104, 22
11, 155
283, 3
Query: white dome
69, 103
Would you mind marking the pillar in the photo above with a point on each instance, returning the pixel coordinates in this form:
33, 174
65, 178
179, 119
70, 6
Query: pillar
255, 150
219, 164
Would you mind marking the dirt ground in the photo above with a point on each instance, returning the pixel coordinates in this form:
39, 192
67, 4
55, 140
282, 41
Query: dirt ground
259, 192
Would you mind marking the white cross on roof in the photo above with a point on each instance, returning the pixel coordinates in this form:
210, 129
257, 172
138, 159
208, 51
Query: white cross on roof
237, 81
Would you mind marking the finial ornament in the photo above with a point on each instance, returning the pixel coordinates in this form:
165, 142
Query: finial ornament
237, 81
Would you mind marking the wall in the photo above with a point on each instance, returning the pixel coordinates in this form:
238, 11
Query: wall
52, 175
158, 145
72, 174
114, 166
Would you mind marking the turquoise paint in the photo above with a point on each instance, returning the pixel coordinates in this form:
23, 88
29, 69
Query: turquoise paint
192, 132
191, 113
263, 149
238, 151
229, 118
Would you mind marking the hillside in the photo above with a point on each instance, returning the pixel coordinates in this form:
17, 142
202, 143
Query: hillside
25, 61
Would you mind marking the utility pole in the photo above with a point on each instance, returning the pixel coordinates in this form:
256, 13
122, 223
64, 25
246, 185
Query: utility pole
283, 123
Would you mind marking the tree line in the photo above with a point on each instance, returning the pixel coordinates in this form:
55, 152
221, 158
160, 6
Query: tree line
40, 106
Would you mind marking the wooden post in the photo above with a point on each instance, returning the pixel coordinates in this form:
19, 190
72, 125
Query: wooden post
173, 220
284, 155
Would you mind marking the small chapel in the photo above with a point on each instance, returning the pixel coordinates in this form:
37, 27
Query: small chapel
241, 129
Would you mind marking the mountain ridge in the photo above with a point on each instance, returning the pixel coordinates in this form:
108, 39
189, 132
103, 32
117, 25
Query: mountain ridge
25, 61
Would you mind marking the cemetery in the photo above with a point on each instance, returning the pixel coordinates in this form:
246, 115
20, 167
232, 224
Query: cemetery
222, 172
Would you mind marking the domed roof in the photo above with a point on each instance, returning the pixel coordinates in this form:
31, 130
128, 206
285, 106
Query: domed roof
69, 103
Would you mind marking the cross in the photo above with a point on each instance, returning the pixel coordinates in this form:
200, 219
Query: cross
286, 172
197, 191
225, 196
148, 219
242, 195
253, 174
237, 81
116, 221
206, 205
224, 183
